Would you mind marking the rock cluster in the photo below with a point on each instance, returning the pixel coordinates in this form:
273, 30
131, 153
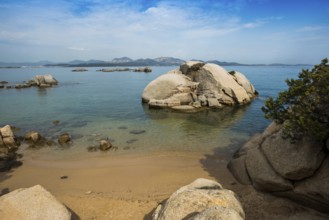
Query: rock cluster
143, 69
202, 199
197, 84
298, 170
44, 81
8, 148
32, 203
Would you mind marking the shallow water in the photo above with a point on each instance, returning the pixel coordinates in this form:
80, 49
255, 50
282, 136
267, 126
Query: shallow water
94, 105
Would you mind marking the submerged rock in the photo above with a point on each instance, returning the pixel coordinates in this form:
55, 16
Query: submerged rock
207, 84
64, 139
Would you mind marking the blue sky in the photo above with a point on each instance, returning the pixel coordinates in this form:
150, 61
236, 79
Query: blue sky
245, 31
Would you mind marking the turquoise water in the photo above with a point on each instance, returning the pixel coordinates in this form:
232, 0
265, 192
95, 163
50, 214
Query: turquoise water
94, 105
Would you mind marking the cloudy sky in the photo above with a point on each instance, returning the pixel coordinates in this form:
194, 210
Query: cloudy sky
245, 31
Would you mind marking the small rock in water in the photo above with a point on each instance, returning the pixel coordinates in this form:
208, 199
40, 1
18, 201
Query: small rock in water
126, 148
105, 145
137, 131
64, 139
56, 122
132, 141
64, 177
122, 127
92, 148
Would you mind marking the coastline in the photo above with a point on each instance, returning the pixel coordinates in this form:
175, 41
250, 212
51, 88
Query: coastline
131, 186
124, 187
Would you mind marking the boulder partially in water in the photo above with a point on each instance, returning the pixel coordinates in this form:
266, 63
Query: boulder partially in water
199, 84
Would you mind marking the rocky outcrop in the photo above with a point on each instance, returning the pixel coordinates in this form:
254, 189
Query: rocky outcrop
143, 69
8, 147
202, 199
44, 81
198, 85
297, 170
32, 203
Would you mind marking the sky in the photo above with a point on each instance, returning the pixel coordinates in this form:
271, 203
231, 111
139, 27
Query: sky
244, 31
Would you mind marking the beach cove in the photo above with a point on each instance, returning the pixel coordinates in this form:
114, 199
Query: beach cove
158, 151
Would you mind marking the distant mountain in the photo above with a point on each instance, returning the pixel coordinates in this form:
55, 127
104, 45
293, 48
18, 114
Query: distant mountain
12, 64
126, 61
122, 60
169, 60
223, 63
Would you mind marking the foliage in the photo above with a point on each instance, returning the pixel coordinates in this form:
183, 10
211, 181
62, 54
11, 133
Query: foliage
303, 109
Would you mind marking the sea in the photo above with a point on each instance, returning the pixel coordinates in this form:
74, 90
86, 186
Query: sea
94, 105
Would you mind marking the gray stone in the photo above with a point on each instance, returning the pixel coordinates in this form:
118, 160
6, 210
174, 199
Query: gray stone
238, 168
262, 175
186, 108
293, 161
253, 142
32, 203
213, 103
197, 197
217, 213
314, 191
190, 66
271, 129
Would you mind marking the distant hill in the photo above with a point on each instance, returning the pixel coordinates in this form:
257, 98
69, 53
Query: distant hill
122, 60
126, 62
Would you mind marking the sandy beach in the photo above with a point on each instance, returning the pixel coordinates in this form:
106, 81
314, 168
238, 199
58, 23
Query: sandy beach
109, 187
130, 187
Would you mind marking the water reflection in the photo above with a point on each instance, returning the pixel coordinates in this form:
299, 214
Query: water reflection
210, 117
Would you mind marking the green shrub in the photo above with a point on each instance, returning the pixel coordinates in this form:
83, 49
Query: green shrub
303, 108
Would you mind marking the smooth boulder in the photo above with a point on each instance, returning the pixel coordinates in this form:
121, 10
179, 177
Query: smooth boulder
198, 84
32, 203
197, 199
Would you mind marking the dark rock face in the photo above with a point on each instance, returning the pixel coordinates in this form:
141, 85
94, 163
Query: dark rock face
299, 171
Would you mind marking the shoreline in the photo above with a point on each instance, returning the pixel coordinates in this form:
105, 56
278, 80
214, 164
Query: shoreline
120, 186
131, 186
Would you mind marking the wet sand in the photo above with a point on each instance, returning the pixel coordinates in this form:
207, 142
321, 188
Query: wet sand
130, 187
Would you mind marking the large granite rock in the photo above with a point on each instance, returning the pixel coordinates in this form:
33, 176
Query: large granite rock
262, 174
32, 204
294, 161
202, 199
198, 84
46, 80
298, 170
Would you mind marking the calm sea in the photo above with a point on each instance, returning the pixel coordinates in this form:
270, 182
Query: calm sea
94, 105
